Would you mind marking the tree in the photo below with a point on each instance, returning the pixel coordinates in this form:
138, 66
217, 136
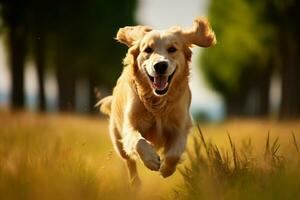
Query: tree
89, 50
240, 66
14, 15
288, 47
39, 19
77, 38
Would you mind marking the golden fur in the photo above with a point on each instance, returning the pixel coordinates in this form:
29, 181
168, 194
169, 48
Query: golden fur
142, 122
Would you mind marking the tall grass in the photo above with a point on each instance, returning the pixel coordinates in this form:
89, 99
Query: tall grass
56, 157
69, 157
64, 157
238, 173
59, 157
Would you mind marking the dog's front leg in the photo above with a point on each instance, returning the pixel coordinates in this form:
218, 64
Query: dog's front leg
148, 154
135, 144
173, 154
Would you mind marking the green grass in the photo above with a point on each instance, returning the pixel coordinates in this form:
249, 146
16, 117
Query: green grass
71, 157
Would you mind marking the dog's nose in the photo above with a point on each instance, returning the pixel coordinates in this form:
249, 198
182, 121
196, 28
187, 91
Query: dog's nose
161, 67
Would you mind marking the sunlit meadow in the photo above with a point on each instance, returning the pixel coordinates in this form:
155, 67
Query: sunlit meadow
71, 157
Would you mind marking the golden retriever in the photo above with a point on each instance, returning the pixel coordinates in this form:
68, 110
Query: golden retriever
149, 107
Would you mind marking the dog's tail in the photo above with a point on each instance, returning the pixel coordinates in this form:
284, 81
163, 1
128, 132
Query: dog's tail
105, 105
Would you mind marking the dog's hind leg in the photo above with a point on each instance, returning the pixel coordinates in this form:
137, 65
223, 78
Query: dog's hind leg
132, 170
173, 153
130, 162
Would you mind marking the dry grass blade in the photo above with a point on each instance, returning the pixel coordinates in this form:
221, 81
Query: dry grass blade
267, 148
295, 143
234, 153
275, 146
271, 152
217, 153
203, 140
230, 141
197, 149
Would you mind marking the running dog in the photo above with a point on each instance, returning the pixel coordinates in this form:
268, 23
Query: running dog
149, 108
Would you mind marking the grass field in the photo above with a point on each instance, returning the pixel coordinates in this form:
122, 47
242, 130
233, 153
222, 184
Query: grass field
243, 170
71, 157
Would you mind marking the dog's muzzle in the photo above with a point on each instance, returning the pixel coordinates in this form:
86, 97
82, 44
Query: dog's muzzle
160, 83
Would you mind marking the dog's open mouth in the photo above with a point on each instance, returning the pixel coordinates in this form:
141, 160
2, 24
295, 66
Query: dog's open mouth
160, 83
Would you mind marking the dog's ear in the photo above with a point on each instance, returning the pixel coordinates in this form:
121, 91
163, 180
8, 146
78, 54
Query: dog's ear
200, 34
130, 34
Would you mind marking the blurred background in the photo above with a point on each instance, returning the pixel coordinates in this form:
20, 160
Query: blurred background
61, 56
57, 57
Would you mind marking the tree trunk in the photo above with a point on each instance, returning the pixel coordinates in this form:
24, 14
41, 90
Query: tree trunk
235, 105
264, 92
290, 81
298, 76
40, 66
289, 48
92, 96
17, 42
66, 90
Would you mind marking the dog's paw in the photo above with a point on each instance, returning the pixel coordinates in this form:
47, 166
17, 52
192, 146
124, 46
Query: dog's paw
168, 166
148, 155
166, 171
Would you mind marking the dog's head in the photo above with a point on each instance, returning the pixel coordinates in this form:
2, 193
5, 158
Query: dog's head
161, 57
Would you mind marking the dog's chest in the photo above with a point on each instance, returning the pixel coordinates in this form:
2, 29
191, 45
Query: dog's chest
157, 131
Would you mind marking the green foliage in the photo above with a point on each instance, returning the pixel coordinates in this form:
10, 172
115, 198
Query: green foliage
84, 39
256, 39
241, 51
76, 39
78, 36
200, 116
238, 174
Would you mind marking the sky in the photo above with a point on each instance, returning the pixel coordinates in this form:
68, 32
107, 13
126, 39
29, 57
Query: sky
159, 14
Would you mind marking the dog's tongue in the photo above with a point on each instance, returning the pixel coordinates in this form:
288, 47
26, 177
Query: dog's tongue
160, 82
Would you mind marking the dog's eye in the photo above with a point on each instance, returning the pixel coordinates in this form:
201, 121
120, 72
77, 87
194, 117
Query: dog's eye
172, 49
148, 50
